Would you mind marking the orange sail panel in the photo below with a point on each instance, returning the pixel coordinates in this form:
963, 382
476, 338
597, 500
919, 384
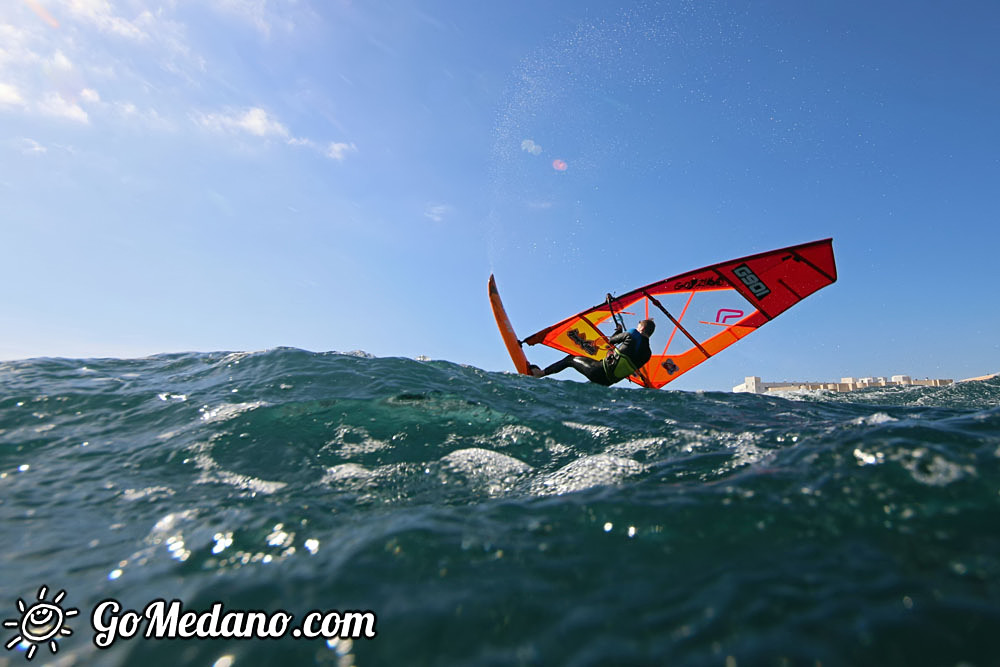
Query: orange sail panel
701, 312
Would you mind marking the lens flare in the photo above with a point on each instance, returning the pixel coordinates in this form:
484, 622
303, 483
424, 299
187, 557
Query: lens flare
42, 12
530, 146
559, 165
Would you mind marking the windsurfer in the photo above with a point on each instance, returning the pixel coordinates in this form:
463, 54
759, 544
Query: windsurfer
631, 352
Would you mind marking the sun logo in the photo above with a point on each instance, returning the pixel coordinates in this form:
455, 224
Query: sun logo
41, 622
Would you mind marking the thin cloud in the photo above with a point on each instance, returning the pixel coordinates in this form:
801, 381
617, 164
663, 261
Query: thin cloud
15, 52
149, 117
99, 14
66, 61
255, 121
437, 212
259, 123
338, 151
32, 147
45, 74
335, 150
60, 62
57, 106
10, 96
88, 104
253, 12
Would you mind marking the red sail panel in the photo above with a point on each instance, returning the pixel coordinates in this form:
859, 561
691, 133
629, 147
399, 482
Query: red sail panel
776, 281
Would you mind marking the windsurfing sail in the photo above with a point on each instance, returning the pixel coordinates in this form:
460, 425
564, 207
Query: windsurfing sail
701, 312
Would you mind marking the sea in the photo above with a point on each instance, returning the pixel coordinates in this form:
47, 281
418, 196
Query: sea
439, 514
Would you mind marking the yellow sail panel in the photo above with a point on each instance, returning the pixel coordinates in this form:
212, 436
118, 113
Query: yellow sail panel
580, 336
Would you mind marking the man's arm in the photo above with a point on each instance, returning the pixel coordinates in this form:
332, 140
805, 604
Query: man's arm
618, 337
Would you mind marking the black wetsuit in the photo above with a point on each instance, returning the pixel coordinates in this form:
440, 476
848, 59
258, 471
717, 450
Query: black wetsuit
628, 343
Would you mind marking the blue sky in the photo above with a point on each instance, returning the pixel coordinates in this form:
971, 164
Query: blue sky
337, 175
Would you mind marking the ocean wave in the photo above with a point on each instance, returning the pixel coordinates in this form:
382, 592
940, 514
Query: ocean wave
535, 521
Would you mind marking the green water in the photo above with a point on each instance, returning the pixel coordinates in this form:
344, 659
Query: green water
492, 519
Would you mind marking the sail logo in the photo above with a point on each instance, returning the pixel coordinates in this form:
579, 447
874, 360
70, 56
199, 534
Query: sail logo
700, 283
726, 314
750, 279
581, 341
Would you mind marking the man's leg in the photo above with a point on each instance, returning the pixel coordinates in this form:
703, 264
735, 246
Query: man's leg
590, 369
559, 366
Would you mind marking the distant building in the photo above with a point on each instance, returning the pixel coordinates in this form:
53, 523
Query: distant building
754, 385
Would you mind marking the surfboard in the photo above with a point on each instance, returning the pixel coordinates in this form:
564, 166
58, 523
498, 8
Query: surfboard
507, 331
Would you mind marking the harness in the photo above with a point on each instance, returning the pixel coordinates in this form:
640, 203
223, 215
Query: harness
619, 364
